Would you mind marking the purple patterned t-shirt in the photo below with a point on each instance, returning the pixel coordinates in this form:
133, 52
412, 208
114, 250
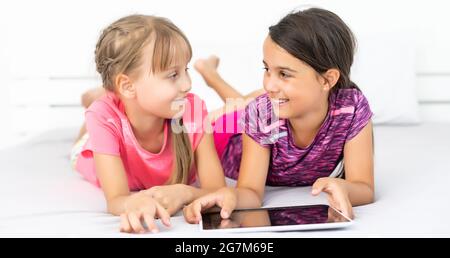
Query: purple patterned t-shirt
348, 114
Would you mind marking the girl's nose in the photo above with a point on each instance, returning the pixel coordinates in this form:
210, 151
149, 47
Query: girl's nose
271, 86
186, 85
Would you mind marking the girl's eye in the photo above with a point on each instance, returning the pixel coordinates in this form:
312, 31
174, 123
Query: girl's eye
266, 69
284, 75
173, 75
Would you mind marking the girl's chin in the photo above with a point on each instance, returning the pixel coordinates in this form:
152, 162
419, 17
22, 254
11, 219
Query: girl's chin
177, 111
282, 112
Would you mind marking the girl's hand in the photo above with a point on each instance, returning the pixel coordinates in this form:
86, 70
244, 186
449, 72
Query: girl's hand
171, 197
225, 198
140, 208
336, 193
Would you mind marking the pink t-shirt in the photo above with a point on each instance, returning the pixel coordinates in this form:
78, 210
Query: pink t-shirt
110, 133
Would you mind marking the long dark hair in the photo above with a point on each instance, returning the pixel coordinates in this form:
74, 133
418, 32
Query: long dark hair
319, 38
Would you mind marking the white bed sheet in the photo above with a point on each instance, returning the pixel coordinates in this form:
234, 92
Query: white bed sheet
41, 196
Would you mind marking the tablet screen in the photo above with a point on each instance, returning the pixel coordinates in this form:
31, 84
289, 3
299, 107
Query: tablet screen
273, 217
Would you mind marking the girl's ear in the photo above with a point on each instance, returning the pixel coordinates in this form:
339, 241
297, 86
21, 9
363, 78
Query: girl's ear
331, 78
124, 86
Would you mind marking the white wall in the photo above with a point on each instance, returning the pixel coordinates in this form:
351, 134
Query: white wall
46, 48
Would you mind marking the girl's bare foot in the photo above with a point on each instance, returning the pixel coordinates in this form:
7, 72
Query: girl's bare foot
91, 95
208, 69
86, 100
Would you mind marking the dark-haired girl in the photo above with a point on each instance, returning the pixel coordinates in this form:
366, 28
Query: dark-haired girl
311, 126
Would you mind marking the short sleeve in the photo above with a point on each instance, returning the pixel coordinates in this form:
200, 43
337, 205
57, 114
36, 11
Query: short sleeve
259, 123
195, 119
361, 117
103, 137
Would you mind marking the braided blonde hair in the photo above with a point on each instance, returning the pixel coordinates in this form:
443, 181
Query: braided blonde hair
120, 50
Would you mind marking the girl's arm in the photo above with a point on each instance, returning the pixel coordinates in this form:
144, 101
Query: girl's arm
111, 174
359, 166
209, 168
210, 176
133, 208
358, 186
252, 174
249, 192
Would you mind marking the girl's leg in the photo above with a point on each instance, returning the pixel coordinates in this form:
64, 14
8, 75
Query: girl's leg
91, 95
86, 100
233, 99
208, 70
224, 119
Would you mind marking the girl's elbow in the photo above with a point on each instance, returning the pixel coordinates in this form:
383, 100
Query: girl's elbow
115, 206
371, 198
111, 210
371, 194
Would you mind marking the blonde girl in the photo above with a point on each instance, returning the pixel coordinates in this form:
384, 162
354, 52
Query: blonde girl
144, 139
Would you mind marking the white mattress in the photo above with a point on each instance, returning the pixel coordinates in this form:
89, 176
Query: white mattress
41, 196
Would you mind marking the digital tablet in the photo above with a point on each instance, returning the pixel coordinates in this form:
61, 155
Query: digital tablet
293, 218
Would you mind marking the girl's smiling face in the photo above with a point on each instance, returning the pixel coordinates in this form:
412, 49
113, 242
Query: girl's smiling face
164, 93
161, 93
293, 86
